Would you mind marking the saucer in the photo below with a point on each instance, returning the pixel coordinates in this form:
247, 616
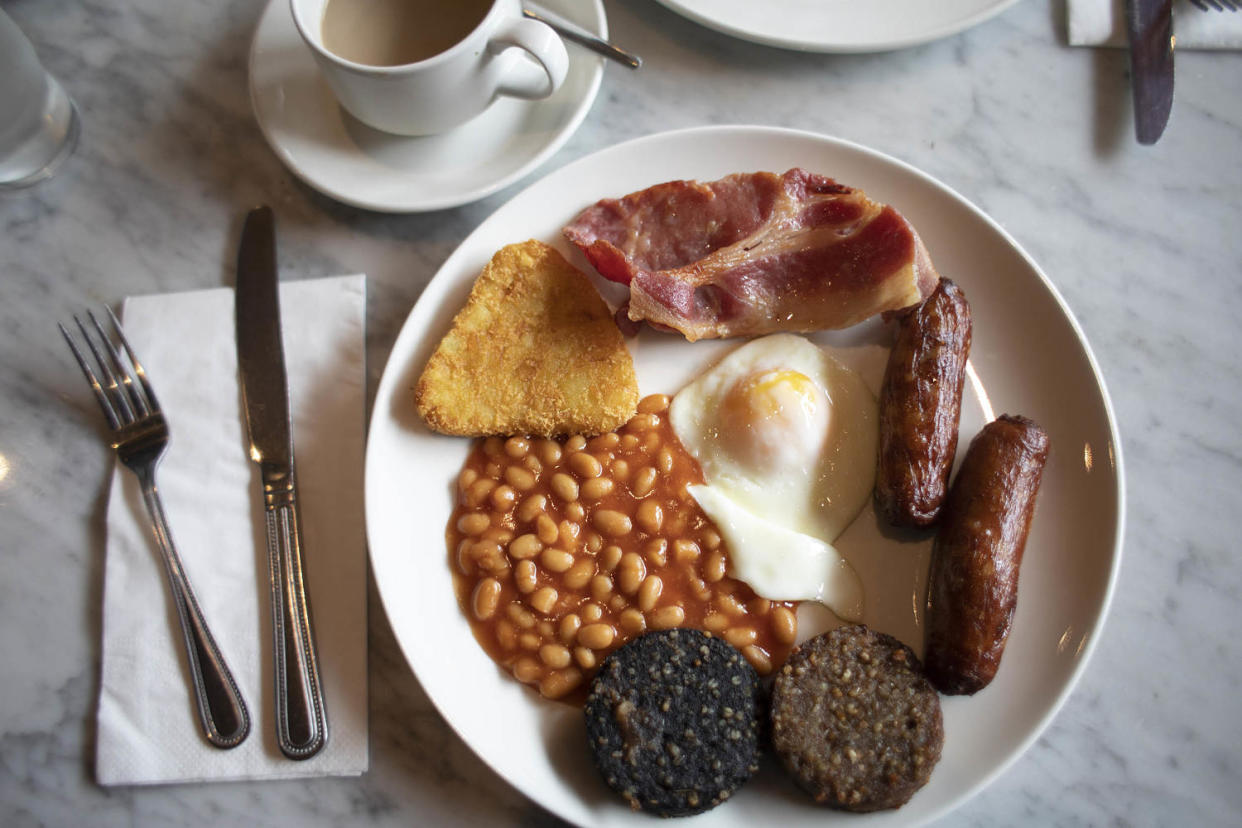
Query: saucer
345, 159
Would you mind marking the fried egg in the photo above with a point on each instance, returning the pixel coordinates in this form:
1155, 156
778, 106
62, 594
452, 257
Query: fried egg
786, 438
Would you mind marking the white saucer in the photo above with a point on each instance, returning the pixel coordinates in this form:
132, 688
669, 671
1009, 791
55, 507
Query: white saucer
350, 162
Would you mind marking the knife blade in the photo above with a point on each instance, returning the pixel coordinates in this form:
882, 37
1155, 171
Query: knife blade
301, 717
1149, 24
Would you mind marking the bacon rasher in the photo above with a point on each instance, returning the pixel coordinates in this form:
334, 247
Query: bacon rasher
755, 253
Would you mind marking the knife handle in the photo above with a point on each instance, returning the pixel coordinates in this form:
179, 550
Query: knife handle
301, 721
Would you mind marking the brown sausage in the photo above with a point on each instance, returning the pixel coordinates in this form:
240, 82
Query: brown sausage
920, 406
973, 586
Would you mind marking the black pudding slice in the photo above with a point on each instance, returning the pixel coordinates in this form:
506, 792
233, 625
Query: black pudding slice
854, 721
673, 721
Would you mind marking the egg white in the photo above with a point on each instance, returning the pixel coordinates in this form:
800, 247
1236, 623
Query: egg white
780, 564
810, 471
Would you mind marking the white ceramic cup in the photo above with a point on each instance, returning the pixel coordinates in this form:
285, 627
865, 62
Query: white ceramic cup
505, 54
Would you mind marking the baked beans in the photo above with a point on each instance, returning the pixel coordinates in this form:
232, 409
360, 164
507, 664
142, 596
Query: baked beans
563, 550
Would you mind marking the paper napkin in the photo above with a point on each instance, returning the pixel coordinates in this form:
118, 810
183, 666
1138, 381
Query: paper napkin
1103, 23
148, 729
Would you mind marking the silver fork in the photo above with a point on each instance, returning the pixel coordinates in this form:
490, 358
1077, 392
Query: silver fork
1215, 5
139, 436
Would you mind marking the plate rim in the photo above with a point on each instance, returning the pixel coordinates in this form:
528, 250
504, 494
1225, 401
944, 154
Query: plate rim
406, 207
390, 375
824, 46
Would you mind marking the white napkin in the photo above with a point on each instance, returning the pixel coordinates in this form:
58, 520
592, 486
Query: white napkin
1103, 23
148, 730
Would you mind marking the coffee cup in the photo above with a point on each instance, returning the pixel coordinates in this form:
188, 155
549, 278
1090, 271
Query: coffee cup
422, 67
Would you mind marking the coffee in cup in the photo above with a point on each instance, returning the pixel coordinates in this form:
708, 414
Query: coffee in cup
395, 32
420, 67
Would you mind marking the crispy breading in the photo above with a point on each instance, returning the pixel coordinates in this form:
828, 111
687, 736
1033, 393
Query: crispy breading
535, 350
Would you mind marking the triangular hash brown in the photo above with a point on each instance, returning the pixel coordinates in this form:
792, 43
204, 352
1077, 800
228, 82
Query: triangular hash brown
535, 350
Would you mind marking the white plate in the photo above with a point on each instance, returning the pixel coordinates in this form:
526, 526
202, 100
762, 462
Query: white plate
1029, 358
839, 25
342, 158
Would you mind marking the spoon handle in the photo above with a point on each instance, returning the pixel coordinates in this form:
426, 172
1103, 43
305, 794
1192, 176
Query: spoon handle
582, 37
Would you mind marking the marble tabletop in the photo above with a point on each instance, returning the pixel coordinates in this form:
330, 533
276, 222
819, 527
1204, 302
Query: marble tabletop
1143, 243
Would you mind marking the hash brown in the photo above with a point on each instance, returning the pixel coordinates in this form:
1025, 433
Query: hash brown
534, 350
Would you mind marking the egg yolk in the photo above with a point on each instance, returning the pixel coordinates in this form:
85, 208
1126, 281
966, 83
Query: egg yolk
774, 420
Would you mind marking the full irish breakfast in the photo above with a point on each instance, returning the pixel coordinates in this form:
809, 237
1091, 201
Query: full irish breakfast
646, 552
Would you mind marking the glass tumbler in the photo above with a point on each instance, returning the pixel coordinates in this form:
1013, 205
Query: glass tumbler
38, 121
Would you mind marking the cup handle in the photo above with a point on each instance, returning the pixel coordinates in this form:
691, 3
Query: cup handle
541, 43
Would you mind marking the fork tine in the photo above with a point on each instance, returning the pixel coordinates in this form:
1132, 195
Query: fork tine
141, 409
139, 371
111, 386
109, 412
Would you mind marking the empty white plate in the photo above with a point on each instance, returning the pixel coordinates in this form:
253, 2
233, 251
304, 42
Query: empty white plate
839, 25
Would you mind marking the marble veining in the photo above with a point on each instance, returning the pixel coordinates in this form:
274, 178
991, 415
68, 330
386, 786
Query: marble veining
1143, 243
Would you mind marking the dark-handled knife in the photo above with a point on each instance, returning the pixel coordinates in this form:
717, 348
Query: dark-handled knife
1149, 24
301, 721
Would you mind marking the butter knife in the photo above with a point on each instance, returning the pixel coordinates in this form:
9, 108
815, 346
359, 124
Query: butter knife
1149, 24
301, 720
